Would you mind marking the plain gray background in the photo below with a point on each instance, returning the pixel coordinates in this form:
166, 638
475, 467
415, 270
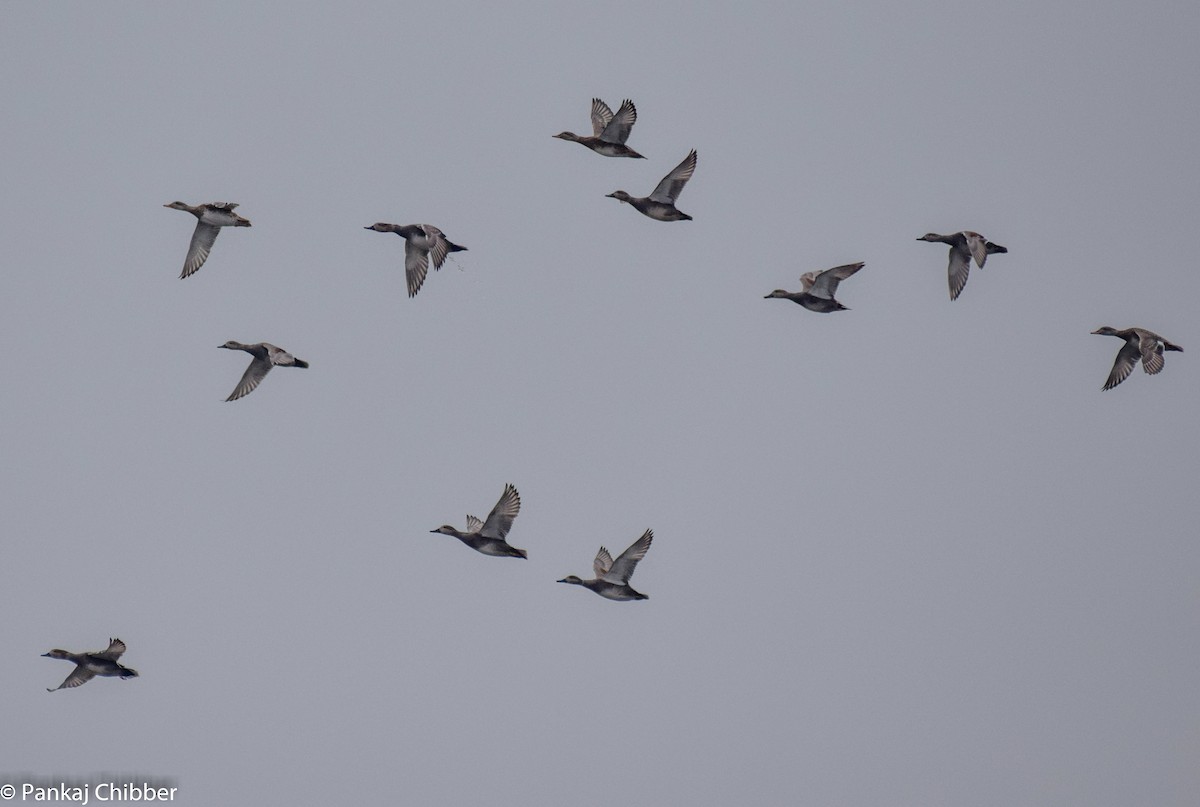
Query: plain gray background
908, 554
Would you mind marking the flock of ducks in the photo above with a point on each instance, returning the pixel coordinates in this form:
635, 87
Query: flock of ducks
424, 242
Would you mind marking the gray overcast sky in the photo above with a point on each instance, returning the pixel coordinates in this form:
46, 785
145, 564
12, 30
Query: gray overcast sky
908, 554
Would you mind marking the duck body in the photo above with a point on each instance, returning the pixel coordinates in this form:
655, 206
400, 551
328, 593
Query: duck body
660, 205
265, 356
1140, 344
421, 241
818, 304
211, 217
89, 665
489, 536
609, 591
818, 289
965, 245
612, 576
609, 131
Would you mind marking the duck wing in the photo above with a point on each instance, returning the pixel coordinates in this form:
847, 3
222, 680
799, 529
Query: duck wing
672, 184
1127, 357
601, 115
79, 677
825, 283
1151, 352
255, 373
618, 127
473, 523
416, 264
115, 648
439, 247
281, 357
602, 563
977, 246
960, 269
500, 520
202, 242
622, 568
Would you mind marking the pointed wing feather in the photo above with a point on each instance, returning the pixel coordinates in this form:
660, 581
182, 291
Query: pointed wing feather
202, 242
617, 129
826, 282
622, 568
500, 520
601, 115
672, 184
473, 524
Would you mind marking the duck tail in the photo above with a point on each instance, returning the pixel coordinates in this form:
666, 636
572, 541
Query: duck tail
1168, 346
300, 363
241, 222
127, 672
453, 247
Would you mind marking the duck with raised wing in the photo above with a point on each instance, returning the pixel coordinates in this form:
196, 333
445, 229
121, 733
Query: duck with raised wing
489, 536
818, 288
265, 356
212, 217
89, 665
1139, 344
612, 576
660, 205
609, 131
964, 246
420, 241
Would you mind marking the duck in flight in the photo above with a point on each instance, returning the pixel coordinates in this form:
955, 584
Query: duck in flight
1139, 344
964, 246
609, 131
660, 205
612, 576
265, 356
818, 288
489, 536
212, 217
420, 242
89, 665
